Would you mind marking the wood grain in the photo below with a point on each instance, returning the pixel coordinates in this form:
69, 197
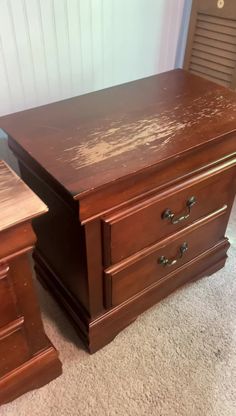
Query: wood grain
17, 202
100, 137
107, 165
22, 336
146, 222
131, 276
211, 43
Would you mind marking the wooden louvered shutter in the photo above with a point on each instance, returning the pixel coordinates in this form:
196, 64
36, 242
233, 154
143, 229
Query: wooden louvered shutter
211, 43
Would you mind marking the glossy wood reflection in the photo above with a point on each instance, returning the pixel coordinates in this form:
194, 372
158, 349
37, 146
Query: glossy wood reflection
28, 360
108, 165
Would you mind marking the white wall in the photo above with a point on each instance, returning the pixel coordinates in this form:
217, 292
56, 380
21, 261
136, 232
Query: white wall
52, 49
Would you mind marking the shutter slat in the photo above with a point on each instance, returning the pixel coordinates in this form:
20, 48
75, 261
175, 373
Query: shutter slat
202, 74
216, 28
216, 36
211, 65
211, 72
229, 63
214, 51
221, 21
215, 43
211, 48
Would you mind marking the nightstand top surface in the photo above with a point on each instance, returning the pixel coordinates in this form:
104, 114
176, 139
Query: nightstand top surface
86, 142
17, 202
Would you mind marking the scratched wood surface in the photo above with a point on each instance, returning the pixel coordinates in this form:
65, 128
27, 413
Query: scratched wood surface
88, 141
17, 202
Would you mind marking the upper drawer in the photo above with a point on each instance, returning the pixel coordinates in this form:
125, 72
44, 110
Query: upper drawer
133, 229
8, 307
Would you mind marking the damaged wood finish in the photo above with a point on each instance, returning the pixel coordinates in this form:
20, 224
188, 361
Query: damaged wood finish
108, 164
123, 136
86, 142
17, 202
27, 358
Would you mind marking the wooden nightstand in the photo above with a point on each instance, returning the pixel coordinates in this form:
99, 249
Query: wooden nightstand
139, 180
28, 360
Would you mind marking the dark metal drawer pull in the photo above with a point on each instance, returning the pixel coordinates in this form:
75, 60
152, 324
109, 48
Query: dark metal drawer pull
170, 262
169, 215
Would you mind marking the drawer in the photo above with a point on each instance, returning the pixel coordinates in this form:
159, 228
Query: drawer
8, 308
131, 276
131, 230
14, 349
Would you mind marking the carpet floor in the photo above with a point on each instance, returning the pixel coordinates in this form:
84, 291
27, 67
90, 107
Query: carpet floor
178, 358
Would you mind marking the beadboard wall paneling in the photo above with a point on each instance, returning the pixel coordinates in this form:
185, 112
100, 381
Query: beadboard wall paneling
54, 49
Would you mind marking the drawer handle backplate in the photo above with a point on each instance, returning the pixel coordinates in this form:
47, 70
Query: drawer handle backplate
169, 215
171, 262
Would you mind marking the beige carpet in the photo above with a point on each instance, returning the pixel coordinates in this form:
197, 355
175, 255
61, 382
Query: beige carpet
179, 358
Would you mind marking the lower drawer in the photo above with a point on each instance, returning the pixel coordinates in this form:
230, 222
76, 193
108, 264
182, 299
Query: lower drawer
14, 349
129, 277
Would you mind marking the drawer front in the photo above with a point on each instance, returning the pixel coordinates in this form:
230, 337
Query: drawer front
14, 350
129, 231
128, 278
8, 308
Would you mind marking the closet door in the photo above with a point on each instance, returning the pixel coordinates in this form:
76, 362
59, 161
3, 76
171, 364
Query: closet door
211, 43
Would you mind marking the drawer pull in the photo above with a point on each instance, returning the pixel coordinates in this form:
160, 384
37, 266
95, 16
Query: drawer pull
3, 271
170, 262
169, 215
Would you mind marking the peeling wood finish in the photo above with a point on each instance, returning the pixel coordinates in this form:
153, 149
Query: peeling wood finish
28, 360
87, 142
123, 136
17, 202
128, 154
118, 140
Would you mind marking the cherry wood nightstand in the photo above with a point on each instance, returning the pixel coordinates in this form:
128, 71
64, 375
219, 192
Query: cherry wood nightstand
139, 180
28, 360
